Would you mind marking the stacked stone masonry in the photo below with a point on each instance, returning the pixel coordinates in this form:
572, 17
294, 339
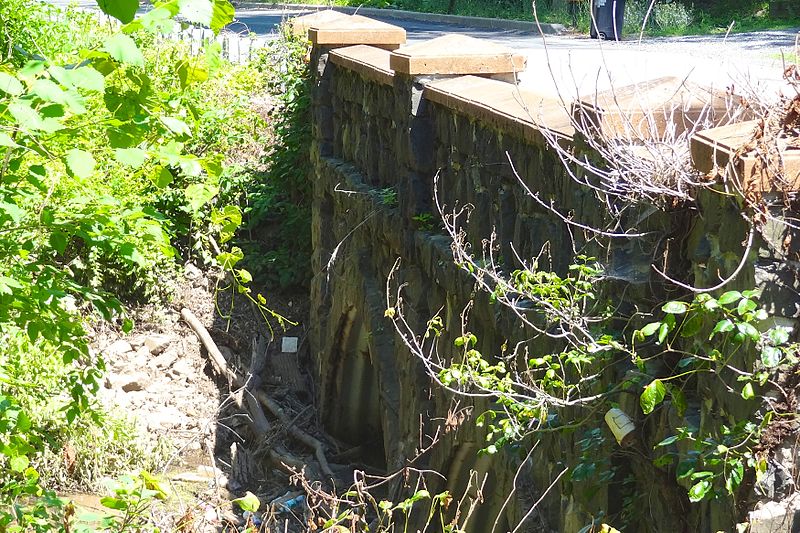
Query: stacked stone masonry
382, 136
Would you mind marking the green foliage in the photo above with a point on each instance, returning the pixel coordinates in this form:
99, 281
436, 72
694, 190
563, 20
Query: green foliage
106, 176
279, 199
714, 336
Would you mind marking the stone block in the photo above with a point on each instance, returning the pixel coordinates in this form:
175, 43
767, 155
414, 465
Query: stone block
300, 25
368, 61
649, 110
724, 149
355, 29
456, 54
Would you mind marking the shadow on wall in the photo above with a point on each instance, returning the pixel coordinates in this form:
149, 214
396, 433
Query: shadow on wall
354, 404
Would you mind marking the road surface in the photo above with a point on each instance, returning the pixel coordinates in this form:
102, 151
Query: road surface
574, 64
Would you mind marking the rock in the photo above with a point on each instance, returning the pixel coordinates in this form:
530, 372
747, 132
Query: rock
165, 360
157, 343
183, 368
140, 357
118, 347
773, 517
166, 418
132, 382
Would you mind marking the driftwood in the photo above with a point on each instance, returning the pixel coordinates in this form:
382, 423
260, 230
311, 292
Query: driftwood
235, 381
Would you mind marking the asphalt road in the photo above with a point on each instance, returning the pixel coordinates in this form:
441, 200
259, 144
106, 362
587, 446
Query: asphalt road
574, 64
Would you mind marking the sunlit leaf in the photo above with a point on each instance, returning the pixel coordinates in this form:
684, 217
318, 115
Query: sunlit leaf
80, 162
248, 502
10, 85
132, 157
122, 10
652, 396
215, 14
124, 49
675, 308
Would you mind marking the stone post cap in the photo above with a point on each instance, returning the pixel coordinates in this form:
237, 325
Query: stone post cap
646, 110
732, 149
456, 54
301, 24
355, 29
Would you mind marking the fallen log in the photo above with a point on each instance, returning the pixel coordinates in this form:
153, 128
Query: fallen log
235, 381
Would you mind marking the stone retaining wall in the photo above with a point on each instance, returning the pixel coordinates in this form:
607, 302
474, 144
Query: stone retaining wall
385, 124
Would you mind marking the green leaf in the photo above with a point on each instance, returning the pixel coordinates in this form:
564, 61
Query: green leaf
10, 85
723, 326
48, 91
7, 141
747, 391
692, 325
663, 330
778, 335
748, 330
745, 306
124, 49
771, 356
216, 14
158, 19
191, 71
176, 126
199, 194
15, 212
730, 297
131, 253
734, 477
132, 157
122, 10
59, 240
652, 396
163, 178
650, 328
668, 441
228, 260
114, 503
86, 78
675, 308
80, 163
19, 463
699, 490
248, 502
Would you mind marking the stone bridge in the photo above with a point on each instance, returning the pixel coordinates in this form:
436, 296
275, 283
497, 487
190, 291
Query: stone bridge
387, 120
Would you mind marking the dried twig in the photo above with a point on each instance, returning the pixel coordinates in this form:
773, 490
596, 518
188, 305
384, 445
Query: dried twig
235, 381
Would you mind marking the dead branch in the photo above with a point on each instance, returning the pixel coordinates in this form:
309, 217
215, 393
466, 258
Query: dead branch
235, 381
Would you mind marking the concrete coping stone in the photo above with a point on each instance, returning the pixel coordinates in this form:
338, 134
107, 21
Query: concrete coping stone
456, 54
714, 149
370, 62
300, 25
356, 29
504, 106
648, 110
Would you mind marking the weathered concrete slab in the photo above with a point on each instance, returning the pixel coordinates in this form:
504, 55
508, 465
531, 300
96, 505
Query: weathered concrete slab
355, 29
503, 104
300, 25
456, 54
729, 148
370, 62
650, 109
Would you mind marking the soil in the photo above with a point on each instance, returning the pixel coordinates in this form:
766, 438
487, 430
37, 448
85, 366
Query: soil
160, 375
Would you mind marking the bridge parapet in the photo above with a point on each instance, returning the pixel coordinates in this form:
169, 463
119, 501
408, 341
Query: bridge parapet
387, 121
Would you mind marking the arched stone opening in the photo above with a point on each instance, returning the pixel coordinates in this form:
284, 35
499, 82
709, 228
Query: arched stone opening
353, 407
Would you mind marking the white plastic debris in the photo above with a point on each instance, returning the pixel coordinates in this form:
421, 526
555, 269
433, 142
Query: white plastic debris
289, 344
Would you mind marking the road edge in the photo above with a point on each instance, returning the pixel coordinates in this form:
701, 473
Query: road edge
455, 20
